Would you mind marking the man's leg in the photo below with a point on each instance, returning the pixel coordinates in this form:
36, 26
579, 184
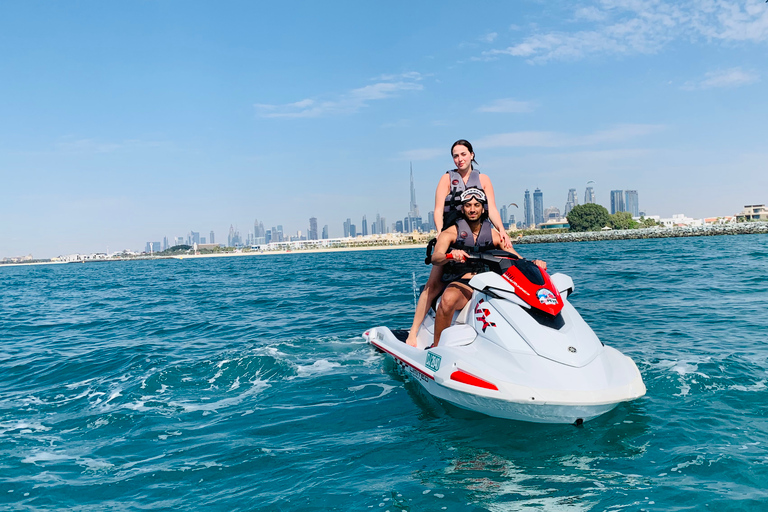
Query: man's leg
455, 297
431, 290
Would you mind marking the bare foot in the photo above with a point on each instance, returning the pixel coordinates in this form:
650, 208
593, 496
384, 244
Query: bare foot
411, 341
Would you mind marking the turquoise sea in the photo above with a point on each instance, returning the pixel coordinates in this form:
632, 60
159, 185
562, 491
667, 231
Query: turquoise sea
230, 384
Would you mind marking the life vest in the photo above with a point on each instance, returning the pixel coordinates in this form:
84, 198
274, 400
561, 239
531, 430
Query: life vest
452, 205
466, 242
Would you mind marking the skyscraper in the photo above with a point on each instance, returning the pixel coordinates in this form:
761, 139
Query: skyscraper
617, 201
631, 202
365, 226
589, 195
413, 221
212, 239
325, 232
504, 215
573, 200
347, 224
312, 235
414, 210
538, 206
528, 208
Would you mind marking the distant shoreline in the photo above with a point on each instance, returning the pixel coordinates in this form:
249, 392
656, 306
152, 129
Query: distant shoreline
745, 228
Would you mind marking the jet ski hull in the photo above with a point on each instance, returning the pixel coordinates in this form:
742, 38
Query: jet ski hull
496, 360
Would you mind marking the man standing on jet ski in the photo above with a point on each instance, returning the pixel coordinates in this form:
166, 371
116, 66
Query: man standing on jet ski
471, 234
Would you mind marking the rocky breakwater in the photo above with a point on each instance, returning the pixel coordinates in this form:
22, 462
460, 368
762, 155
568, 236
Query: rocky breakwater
744, 228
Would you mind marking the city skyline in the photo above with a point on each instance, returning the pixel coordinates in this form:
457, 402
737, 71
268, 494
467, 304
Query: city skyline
129, 122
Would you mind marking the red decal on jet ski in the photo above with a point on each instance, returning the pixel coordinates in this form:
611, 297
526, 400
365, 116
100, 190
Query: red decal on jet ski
468, 378
483, 314
545, 298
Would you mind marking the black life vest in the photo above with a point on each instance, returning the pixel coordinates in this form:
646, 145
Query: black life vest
467, 242
452, 205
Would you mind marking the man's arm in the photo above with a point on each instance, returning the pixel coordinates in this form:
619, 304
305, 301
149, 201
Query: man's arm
497, 242
444, 240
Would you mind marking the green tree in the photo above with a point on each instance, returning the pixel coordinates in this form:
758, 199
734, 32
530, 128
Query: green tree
623, 220
588, 217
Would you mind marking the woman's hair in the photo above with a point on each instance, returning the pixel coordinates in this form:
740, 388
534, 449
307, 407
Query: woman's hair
466, 144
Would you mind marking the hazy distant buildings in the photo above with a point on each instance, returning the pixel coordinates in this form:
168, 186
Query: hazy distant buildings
552, 213
347, 224
325, 232
571, 201
589, 195
538, 207
364, 226
312, 234
617, 201
528, 209
631, 202
211, 239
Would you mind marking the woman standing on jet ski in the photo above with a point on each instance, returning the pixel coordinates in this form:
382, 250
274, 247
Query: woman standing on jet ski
447, 201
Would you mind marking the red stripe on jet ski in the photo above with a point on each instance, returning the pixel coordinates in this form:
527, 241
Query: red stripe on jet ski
403, 361
466, 378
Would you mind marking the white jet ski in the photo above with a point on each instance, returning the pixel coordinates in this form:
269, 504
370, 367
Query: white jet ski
518, 350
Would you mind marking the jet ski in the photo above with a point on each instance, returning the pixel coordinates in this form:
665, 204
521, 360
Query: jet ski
518, 350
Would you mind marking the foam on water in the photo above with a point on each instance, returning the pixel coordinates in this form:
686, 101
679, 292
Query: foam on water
231, 384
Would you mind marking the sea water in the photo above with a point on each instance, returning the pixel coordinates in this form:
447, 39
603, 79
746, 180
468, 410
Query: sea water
243, 383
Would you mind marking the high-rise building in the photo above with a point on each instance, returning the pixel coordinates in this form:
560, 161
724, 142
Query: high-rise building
365, 226
538, 206
312, 235
194, 237
504, 215
347, 224
400, 226
212, 239
631, 202
413, 221
573, 200
589, 195
325, 232
431, 221
528, 208
414, 209
352, 231
165, 243
617, 201
552, 213
382, 224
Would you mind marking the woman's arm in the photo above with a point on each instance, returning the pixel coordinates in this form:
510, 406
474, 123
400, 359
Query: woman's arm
493, 211
443, 189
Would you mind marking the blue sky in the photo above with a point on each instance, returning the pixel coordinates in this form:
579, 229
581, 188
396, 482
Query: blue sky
124, 122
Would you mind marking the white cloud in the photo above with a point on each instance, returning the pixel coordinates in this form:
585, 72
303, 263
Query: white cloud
618, 27
388, 86
490, 37
507, 106
734, 77
619, 133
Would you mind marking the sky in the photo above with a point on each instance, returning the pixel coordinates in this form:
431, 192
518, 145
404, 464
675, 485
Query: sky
126, 122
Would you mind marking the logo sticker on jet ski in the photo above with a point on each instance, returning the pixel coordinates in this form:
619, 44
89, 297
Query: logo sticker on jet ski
482, 315
546, 297
433, 361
